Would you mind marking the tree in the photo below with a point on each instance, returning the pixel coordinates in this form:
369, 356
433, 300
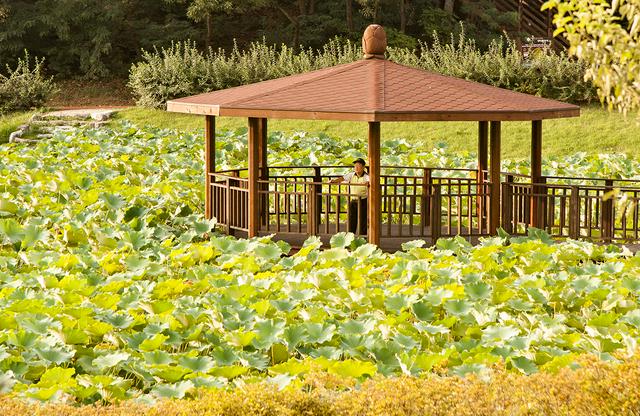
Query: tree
607, 36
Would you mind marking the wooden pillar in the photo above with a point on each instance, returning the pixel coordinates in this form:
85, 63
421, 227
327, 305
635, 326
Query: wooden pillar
209, 163
483, 165
254, 172
375, 201
536, 217
264, 168
494, 177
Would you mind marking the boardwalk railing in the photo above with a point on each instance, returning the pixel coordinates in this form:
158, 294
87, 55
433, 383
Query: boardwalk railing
416, 202
429, 203
595, 209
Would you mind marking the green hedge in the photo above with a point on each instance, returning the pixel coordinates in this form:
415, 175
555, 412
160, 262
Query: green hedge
182, 69
25, 86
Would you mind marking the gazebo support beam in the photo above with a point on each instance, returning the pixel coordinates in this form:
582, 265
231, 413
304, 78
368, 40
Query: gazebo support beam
536, 219
263, 166
209, 163
494, 174
375, 202
254, 172
483, 165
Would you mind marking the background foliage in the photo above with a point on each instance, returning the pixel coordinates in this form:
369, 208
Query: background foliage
25, 86
182, 70
94, 38
606, 34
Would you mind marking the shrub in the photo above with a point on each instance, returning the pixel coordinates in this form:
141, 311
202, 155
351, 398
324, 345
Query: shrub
182, 69
598, 388
550, 75
24, 87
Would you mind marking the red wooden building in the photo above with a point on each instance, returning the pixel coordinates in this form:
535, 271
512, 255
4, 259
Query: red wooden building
294, 202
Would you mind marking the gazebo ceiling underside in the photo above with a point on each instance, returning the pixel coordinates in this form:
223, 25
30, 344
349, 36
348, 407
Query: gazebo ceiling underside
373, 90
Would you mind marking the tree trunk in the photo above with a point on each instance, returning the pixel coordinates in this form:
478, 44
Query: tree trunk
296, 27
448, 6
349, 4
312, 7
209, 40
403, 16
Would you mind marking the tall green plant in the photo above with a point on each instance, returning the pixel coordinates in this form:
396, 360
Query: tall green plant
25, 86
182, 69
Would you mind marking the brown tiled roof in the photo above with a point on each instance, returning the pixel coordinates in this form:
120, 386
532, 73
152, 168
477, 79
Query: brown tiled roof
373, 90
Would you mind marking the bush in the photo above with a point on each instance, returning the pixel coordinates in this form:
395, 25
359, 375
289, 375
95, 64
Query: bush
549, 75
597, 388
182, 69
25, 87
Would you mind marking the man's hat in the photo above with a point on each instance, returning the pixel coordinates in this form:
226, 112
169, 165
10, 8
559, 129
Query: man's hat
359, 160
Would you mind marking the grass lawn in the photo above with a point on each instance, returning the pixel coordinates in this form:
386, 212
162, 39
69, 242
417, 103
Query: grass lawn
595, 131
10, 123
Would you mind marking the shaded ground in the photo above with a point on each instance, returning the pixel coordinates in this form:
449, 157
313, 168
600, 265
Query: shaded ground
95, 94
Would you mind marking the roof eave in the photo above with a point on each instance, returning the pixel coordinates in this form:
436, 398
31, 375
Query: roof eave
386, 116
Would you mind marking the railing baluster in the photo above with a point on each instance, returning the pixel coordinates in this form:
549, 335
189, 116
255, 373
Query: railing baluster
436, 211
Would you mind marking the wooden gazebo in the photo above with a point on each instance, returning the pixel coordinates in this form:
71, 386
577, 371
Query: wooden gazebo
296, 201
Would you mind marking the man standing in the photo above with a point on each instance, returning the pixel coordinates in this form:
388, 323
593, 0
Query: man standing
357, 196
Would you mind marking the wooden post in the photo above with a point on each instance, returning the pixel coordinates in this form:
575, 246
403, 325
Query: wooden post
425, 202
209, 163
312, 209
507, 205
317, 178
375, 200
483, 164
608, 211
494, 177
254, 172
574, 213
436, 213
264, 169
536, 218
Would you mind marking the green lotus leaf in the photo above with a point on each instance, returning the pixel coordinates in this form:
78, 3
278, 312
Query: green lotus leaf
197, 364
153, 343
524, 364
110, 360
268, 332
229, 372
319, 333
499, 333
11, 230
173, 391
341, 240
269, 252
458, 307
157, 357
478, 290
7, 381
7, 207
353, 368
114, 202
55, 355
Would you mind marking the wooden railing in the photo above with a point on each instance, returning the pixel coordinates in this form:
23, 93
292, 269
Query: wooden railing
431, 203
596, 209
416, 202
230, 200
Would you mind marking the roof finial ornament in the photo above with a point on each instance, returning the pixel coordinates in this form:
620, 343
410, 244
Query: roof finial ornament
374, 42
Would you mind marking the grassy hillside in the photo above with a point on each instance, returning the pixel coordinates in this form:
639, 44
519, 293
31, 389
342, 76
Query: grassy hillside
595, 131
10, 123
